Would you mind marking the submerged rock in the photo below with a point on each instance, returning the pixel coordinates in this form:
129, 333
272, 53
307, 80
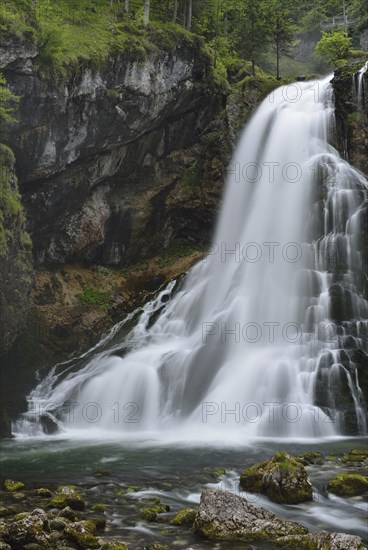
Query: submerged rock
283, 479
348, 485
224, 516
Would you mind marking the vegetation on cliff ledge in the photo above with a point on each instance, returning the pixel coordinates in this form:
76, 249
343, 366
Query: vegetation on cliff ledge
236, 35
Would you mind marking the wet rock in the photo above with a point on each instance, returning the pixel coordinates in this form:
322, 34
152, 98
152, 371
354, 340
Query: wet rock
184, 517
4, 546
13, 486
82, 534
67, 495
150, 513
44, 492
311, 457
225, 516
100, 523
348, 485
59, 524
355, 456
283, 479
29, 530
99, 507
114, 546
68, 513
322, 540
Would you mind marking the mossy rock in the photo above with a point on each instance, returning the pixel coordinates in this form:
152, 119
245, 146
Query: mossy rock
59, 524
99, 507
150, 513
82, 534
20, 515
114, 546
68, 513
100, 523
44, 492
126, 490
283, 479
5, 512
355, 456
67, 495
184, 517
4, 546
348, 485
312, 457
13, 486
215, 472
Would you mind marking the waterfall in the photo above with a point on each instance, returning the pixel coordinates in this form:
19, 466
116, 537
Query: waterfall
360, 87
262, 339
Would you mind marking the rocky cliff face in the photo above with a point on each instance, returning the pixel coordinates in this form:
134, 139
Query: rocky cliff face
352, 120
15, 255
107, 158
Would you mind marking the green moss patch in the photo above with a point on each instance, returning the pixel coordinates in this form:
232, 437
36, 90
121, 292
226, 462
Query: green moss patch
13, 486
184, 517
348, 485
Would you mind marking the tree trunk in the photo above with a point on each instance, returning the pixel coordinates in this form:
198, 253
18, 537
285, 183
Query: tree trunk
166, 16
253, 67
127, 7
189, 15
146, 13
277, 61
175, 12
184, 14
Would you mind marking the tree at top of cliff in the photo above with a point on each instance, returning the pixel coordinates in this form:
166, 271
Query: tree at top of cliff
333, 48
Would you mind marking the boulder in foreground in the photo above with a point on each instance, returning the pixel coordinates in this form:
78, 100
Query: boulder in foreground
225, 516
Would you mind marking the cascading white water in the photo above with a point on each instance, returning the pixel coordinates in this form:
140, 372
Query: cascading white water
247, 346
360, 86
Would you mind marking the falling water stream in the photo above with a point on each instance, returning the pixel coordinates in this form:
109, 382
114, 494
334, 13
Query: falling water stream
260, 338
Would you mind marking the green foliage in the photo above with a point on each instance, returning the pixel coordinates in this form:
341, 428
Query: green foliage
333, 48
71, 33
8, 102
94, 297
11, 213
